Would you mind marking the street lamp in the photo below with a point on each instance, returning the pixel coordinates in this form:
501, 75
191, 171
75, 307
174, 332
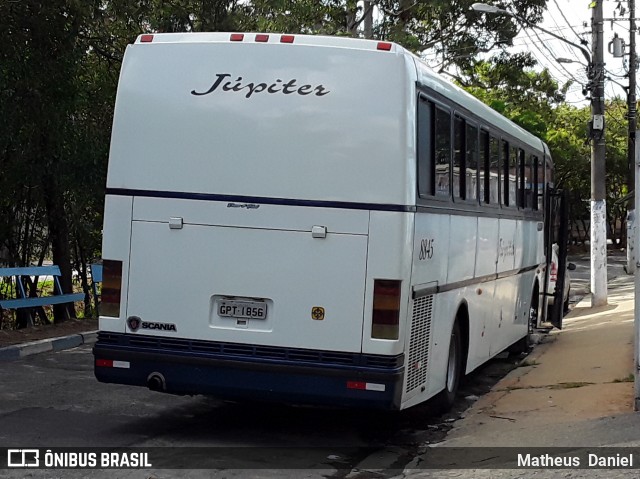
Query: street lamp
566, 60
485, 8
595, 73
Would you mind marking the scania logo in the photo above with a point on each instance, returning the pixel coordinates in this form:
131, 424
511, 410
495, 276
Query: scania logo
134, 323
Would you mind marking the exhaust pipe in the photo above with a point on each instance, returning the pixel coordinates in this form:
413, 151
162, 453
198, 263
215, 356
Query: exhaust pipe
156, 382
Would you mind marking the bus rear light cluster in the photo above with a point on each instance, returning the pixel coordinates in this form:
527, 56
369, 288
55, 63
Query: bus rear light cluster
385, 323
261, 38
111, 288
110, 363
364, 386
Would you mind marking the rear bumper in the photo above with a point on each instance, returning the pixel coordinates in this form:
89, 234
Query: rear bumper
233, 371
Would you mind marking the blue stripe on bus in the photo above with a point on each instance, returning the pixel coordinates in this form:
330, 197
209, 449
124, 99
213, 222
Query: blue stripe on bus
260, 200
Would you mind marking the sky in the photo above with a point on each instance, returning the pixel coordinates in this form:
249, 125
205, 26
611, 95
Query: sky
571, 19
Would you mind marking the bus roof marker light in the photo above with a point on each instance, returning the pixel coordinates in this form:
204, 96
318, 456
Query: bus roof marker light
237, 37
286, 39
146, 38
384, 46
262, 38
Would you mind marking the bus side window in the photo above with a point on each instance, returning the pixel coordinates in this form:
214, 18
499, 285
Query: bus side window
471, 163
458, 165
506, 173
548, 174
513, 176
542, 187
484, 168
494, 178
531, 183
520, 178
425, 147
442, 152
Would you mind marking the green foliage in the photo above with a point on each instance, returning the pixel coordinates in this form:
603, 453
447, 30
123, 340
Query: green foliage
60, 62
451, 29
510, 86
533, 100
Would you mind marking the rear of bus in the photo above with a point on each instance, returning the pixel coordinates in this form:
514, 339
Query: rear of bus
258, 219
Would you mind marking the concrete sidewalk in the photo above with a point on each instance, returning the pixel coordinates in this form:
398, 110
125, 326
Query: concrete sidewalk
583, 372
17, 351
575, 389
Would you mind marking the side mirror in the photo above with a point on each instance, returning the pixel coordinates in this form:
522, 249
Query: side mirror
571, 266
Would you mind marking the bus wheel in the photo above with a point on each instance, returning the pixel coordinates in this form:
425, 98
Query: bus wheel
445, 399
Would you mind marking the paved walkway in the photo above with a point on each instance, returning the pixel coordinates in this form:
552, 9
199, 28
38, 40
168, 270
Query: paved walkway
574, 390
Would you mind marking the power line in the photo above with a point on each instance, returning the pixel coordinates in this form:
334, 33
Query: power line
565, 19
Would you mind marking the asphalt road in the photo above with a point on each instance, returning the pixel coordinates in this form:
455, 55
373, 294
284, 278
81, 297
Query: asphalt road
53, 400
581, 276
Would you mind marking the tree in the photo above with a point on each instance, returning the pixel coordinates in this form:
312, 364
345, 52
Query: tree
511, 86
533, 100
451, 29
59, 66
39, 56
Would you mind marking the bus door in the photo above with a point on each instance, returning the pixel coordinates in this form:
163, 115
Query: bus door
556, 238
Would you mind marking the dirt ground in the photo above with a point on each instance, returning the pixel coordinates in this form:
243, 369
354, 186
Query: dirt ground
66, 328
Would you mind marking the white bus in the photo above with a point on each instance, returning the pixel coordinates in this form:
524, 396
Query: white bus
314, 220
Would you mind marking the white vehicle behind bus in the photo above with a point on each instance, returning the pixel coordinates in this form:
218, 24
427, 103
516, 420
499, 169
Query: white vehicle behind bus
312, 220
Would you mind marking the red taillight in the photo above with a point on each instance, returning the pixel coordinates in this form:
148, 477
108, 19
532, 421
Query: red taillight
364, 386
286, 39
356, 385
262, 38
110, 363
237, 37
146, 38
111, 288
385, 323
553, 274
385, 46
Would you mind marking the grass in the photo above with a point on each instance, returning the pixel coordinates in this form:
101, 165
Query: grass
628, 379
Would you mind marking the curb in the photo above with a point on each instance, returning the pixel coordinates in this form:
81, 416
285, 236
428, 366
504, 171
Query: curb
18, 351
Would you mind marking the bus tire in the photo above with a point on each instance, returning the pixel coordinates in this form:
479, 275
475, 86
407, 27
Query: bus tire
444, 400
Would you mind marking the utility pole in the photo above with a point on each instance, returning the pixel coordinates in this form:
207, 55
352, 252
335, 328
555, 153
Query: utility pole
636, 303
367, 11
598, 225
631, 144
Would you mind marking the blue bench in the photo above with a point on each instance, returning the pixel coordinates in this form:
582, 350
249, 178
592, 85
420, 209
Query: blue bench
24, 301
96, 277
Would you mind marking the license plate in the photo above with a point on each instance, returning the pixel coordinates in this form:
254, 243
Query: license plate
242, 309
